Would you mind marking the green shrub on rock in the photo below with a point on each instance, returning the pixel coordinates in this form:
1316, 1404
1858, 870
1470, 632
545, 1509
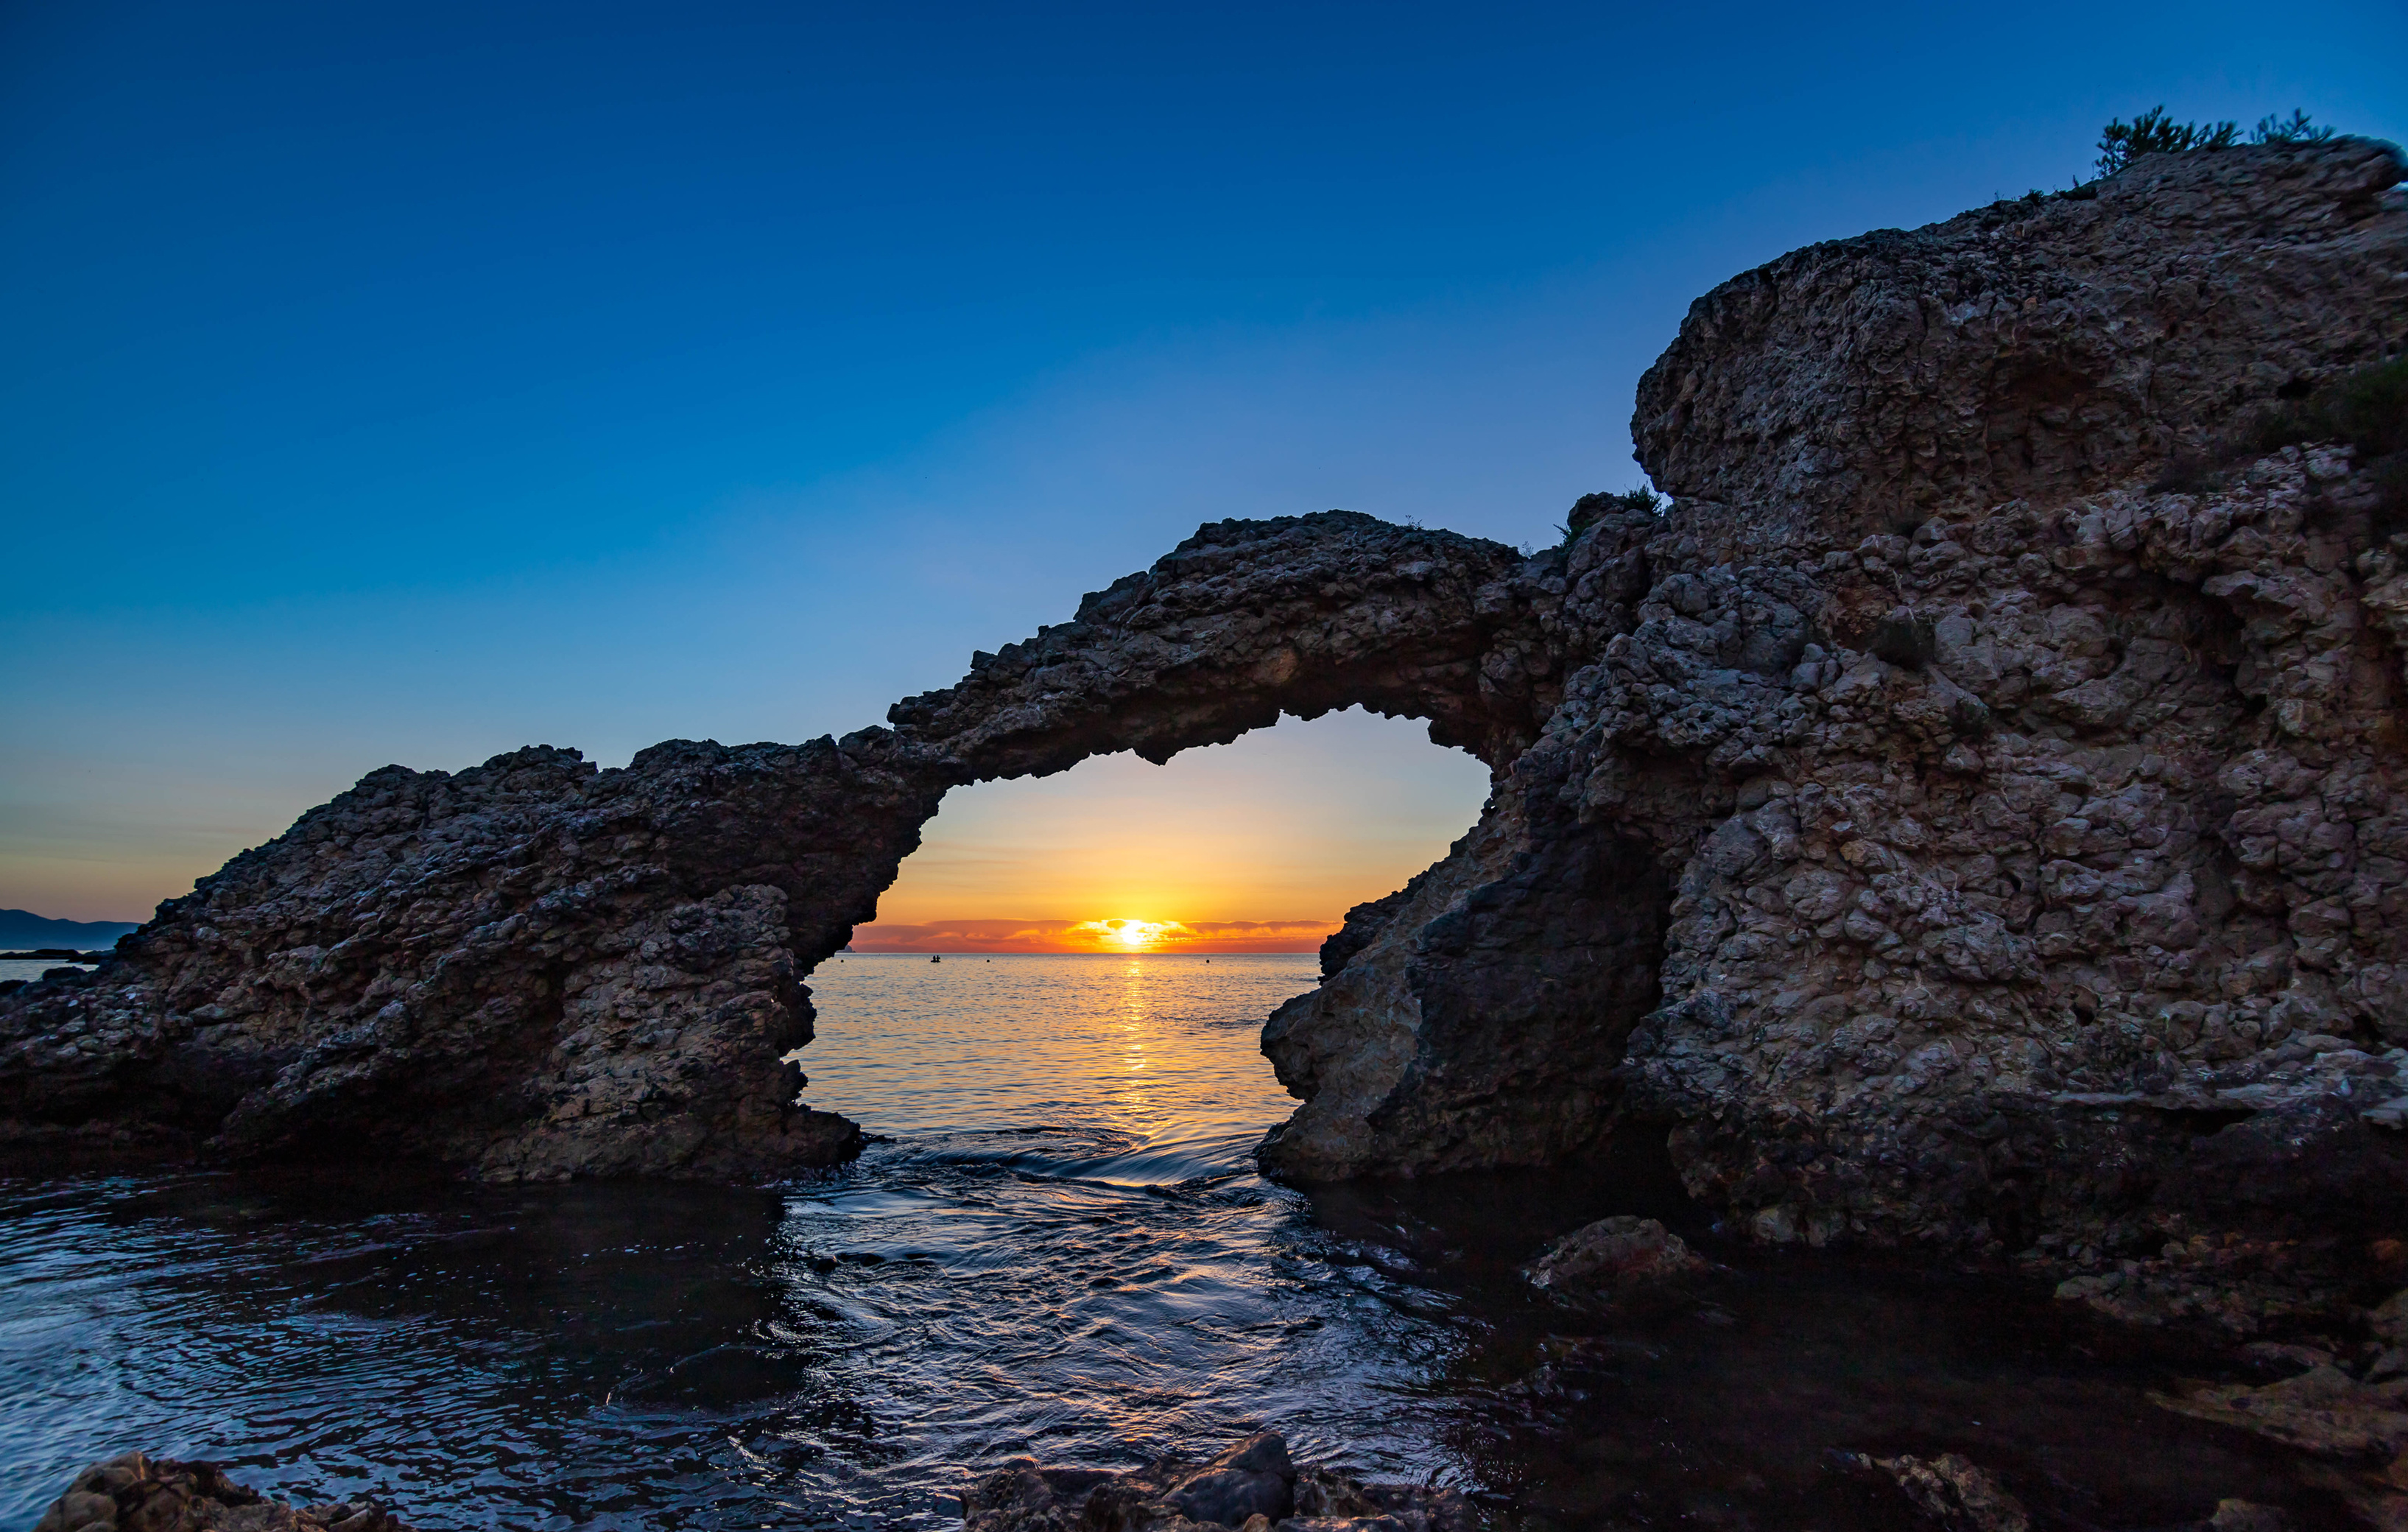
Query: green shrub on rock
2153, 132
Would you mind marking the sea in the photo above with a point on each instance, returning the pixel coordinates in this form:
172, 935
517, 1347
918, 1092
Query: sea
1056, 1246
34, 967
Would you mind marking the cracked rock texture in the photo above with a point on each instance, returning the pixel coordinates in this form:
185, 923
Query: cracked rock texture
533, 969
1953, 823
527, 970
135, 1493
1980, 842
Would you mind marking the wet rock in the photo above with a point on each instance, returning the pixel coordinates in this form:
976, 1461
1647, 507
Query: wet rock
1616, 1256
2245, 1516
2323, 1409
1952, 1492
1252, 1478
2389, 1320
1251, 1486
2286, 1357
140, 1494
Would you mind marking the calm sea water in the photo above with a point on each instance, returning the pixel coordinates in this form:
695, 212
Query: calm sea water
33, 968
1058, 1247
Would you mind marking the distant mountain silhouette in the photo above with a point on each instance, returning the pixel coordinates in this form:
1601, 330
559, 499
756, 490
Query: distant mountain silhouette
23, 928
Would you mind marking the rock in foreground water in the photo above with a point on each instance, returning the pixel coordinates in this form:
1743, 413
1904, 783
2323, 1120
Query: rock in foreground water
1953, 1492
1616, 1256
1253, 1486
140, 1494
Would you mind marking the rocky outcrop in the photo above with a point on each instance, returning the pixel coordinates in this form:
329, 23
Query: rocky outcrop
139, 1494
1951, 1492
537, 969
528, 969
1249, 619
1999, 772
1970, 816
1251, 1486
1616, 1256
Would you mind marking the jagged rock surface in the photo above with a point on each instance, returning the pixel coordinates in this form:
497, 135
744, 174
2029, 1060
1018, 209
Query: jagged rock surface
1947, 824
2030, 848
1248, 620
140, 1494
535, 969
528, 969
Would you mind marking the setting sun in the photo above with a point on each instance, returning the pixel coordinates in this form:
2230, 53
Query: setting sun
1134, 936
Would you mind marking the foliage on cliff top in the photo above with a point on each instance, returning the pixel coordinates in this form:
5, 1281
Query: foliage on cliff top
2153, 132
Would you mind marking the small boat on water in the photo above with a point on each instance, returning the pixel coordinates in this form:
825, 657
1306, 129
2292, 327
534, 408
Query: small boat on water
935, 957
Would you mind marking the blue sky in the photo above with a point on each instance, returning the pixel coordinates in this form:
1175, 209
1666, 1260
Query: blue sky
413, 382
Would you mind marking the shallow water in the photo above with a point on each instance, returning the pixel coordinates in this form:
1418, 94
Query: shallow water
1060, 1247
34, 967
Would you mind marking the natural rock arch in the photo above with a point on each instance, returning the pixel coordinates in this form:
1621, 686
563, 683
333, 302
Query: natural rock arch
1248, 620
1941, 825
536, 968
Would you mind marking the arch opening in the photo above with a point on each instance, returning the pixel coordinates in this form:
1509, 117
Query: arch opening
1113, 935
1258, 845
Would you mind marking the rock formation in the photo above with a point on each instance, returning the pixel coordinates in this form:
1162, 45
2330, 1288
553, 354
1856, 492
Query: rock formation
1251, 1486
535, 969
1972, 815
528, 969
1996, 776
139, 1494
1951, 1492
1615, 1257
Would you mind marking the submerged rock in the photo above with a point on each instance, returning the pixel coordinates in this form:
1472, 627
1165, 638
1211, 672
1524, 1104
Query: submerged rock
1614, 1256
139, 1494
1251, 1487
2323, 1409
1951, 1490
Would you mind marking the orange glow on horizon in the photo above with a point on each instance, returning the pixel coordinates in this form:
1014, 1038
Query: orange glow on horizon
1116, 934
1119, 856
1136, 936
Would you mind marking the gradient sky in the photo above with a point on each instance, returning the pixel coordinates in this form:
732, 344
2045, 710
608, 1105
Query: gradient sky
410, 382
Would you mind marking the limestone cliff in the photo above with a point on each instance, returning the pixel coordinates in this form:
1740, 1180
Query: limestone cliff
2017, 753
